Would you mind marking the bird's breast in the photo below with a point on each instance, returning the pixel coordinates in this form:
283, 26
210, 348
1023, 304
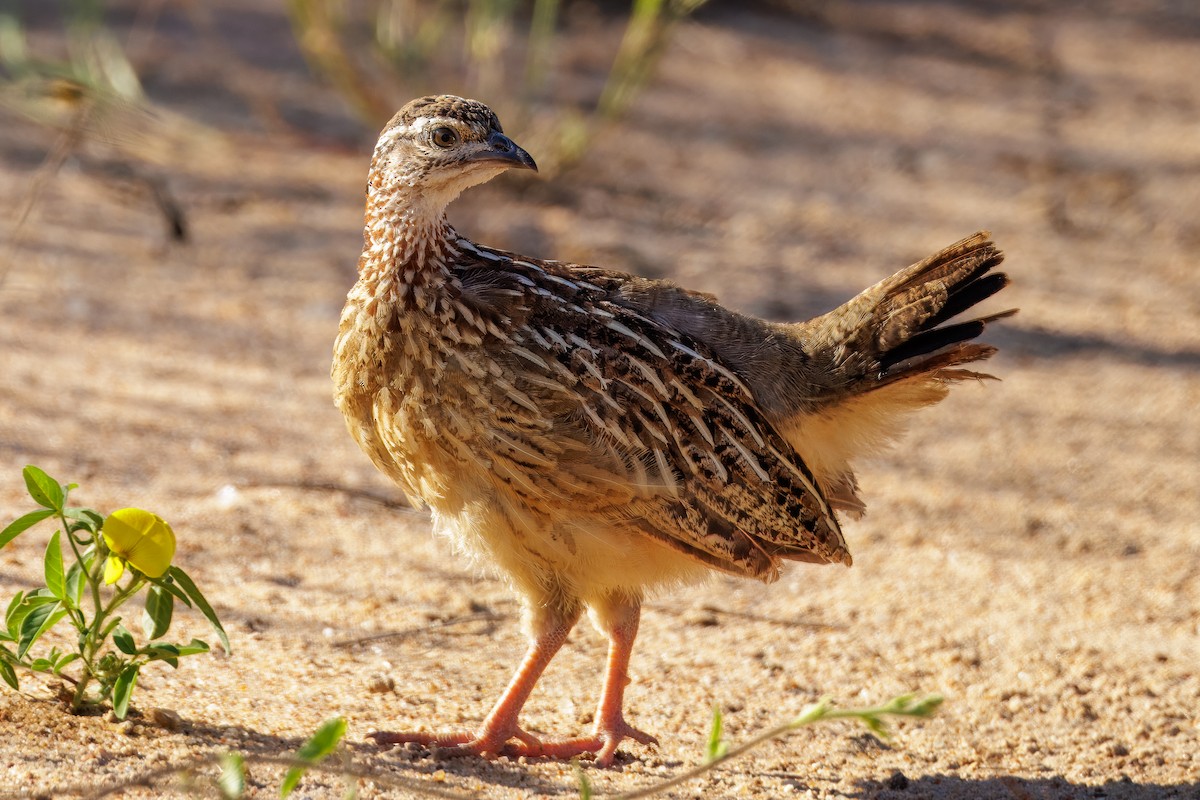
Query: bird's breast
424, 396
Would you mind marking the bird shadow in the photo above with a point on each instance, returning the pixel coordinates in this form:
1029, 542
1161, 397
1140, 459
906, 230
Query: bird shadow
1009, 787
1043, 343
394, 767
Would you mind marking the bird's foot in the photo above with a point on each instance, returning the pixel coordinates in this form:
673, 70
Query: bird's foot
516, 742
603, 743
486, 743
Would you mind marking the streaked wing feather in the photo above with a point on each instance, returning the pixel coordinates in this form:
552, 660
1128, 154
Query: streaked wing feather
651, 431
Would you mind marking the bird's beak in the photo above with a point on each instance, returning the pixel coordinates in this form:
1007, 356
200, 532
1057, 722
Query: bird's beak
505, 150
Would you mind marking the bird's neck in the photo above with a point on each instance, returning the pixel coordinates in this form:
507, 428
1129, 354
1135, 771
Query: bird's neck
407, 238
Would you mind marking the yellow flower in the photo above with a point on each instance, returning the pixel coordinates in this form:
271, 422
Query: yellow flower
142, 539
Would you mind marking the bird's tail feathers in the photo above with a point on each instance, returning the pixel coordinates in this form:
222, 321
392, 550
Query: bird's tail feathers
889, 351
895, 330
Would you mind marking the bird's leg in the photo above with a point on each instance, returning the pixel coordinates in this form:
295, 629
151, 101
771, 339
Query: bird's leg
618, 618
611, 726
500, 726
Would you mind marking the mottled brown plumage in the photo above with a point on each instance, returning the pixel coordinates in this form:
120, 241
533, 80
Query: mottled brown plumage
596, 435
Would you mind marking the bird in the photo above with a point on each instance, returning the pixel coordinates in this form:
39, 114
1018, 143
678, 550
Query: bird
599, 437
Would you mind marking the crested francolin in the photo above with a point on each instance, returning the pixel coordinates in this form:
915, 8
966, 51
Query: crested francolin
596, 435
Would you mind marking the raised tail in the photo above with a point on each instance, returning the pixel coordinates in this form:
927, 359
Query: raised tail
894, 330
887, 352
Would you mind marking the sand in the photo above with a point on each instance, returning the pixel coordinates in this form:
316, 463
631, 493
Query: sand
1032, 548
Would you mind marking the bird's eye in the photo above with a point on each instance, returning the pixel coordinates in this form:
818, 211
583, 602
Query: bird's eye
445, 137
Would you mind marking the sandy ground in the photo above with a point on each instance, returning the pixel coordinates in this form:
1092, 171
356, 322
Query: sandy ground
1032, 550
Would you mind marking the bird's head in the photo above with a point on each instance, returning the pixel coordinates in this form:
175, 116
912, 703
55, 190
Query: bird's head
437, 146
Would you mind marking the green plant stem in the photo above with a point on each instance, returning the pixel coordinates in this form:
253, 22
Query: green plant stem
696, 772
89, 634
81, 623
95, 638
33, 671
817, 712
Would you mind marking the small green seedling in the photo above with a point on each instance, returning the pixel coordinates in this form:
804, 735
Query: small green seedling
232, 781
716, 751
108, 561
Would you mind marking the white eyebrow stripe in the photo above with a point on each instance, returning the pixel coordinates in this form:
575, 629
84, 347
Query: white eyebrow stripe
416, 126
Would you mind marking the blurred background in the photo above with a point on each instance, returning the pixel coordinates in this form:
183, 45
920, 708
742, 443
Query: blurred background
181, 186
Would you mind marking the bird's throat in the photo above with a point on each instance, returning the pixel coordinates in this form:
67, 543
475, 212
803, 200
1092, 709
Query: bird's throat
407, 242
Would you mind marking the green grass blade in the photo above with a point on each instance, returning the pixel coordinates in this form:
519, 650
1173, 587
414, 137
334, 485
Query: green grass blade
715, 747
585, 786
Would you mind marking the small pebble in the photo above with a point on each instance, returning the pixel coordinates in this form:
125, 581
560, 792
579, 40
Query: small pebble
898, 781
166, 718
380, 684
702, 618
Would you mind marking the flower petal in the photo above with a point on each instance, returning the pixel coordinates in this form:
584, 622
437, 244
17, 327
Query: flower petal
143, 539
114, 568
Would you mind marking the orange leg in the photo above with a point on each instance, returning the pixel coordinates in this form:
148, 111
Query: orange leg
620, 622
500, 726
619, 619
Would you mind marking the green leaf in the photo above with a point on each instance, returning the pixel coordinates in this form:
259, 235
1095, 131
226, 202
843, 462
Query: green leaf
167, 584
74, 583
63, 662
20, 607
108, 629
13, 616
156, 618
123, 639
877, 726
196, 647
19, 611
322, 743
160, 649
9, 675
123, 689
232, 780
23, 524
52, 566
89, 518
39, 620
190, 589
44, 490
41, 665
715, 748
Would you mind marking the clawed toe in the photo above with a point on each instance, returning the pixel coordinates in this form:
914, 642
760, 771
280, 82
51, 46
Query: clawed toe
611, 737
486, 744
603, 743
